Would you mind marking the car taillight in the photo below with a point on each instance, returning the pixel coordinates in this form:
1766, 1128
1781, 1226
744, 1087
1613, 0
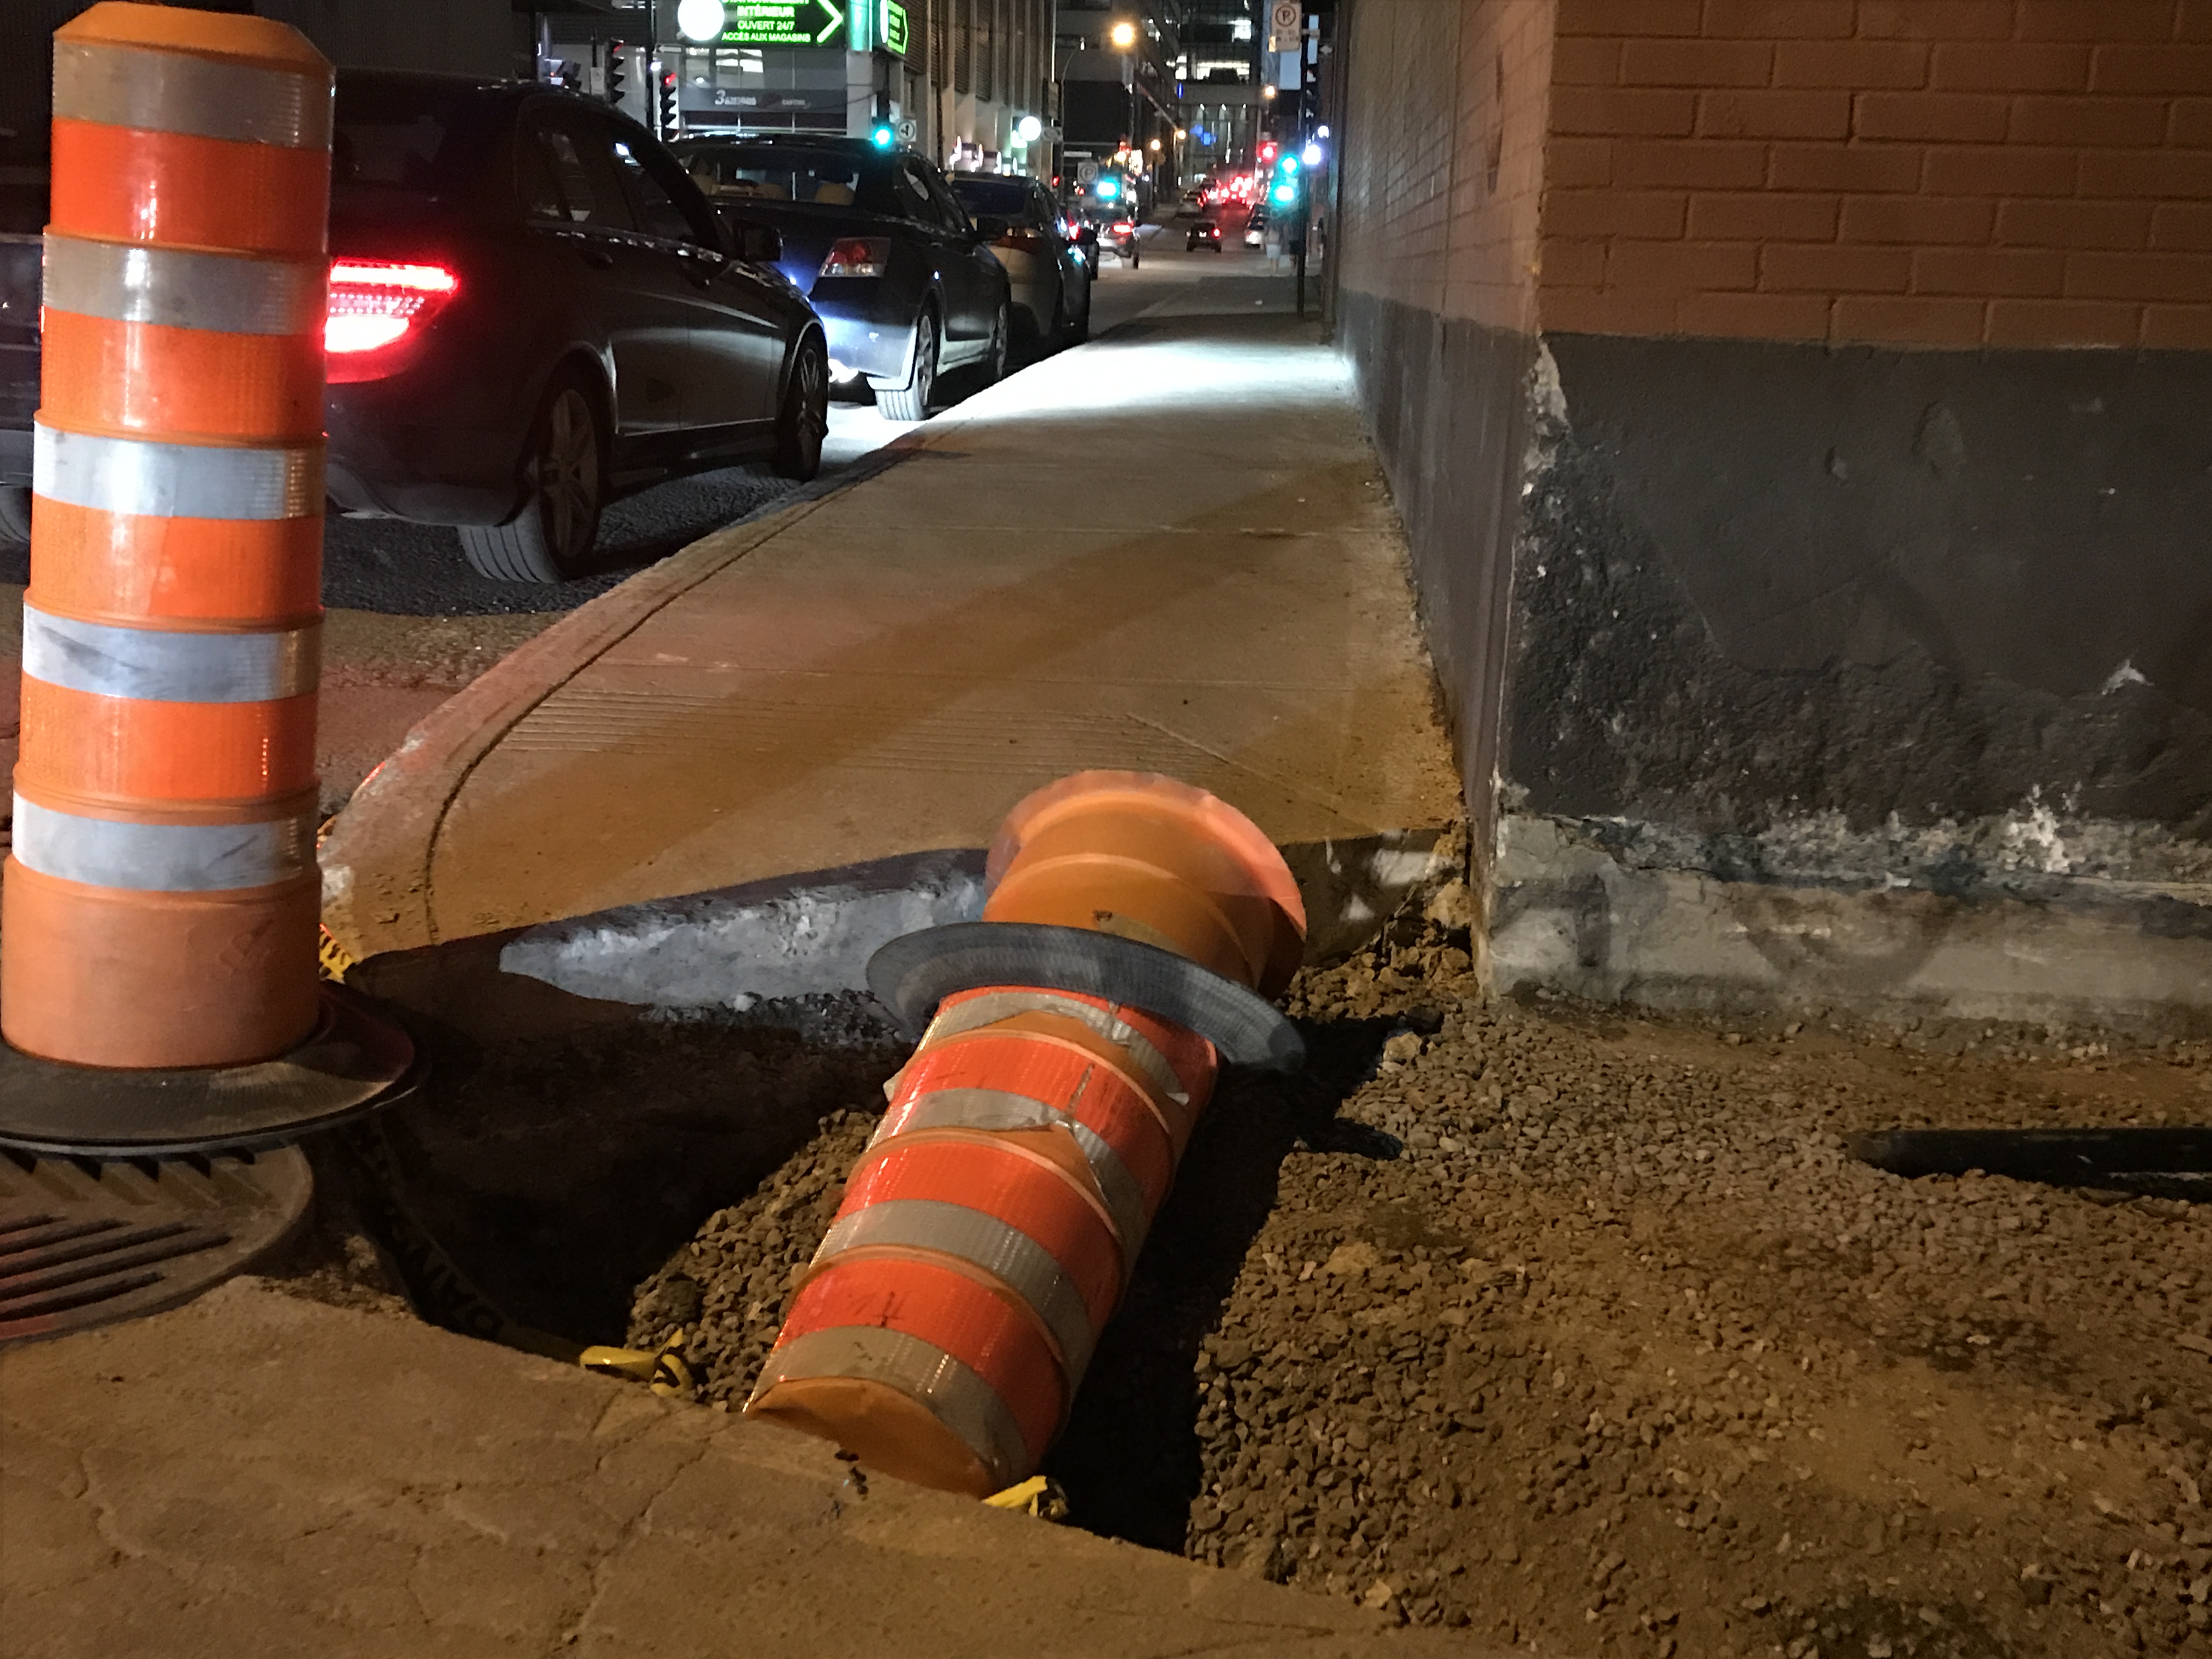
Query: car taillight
857, 256
1122, 227
373, 303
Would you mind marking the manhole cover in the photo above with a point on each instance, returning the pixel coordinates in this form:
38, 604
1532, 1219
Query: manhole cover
86, 1242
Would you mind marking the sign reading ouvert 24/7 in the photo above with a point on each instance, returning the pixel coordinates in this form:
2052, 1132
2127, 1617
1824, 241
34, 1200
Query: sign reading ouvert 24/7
859, 24
783, 23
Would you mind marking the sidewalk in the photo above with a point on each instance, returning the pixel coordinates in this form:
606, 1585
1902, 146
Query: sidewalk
1171, 550
261, 1477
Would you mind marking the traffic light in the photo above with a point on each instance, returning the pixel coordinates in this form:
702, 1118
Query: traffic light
1108, 189
1267, 153
617, 72
671, 118
882, 134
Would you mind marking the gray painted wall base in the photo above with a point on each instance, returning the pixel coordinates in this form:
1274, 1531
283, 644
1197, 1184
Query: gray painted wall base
1575, 910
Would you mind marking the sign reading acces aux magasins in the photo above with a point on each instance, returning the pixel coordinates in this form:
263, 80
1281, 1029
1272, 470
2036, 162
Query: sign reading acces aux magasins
815, 23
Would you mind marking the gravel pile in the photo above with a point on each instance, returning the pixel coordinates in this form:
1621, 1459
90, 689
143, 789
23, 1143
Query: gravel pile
1581, 1330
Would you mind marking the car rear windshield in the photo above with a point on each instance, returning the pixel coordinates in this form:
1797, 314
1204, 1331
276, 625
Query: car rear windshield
1003, 198
402, 138
807, 178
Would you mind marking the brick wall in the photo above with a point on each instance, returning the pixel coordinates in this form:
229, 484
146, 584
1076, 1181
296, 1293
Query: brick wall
1441, 191
1944, 172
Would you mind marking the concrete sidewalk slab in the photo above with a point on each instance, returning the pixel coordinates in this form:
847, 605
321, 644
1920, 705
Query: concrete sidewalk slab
260, 1475
1170, 550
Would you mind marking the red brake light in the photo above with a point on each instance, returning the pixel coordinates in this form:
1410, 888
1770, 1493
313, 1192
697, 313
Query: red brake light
857, 256
373, 303
1122, 227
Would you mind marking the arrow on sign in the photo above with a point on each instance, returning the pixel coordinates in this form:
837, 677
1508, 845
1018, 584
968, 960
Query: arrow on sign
837, 19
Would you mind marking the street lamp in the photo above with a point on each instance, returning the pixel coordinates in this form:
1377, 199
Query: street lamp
700, 22
1123, 34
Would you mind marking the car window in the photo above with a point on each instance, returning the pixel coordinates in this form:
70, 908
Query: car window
580, 167
395, 137
657, 212
950, 213
1003, 198
914, 199
737, 173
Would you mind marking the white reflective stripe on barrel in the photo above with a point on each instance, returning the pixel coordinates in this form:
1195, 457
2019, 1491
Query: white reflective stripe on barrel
177, 288
1000, 1248
175, 481
951, 1393
162, 858
165, 667
1002, 1109
995, 1006
156, 91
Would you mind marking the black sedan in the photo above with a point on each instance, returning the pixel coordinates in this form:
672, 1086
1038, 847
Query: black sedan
533, 309
904, 282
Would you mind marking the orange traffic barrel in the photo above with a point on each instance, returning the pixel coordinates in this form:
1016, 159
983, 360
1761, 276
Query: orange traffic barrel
944, 1324
161, 895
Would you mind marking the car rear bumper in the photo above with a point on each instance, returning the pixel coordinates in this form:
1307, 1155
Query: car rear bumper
869, 328
385, 460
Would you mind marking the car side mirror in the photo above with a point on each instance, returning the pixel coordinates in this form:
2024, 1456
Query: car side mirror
990, 228
760, 245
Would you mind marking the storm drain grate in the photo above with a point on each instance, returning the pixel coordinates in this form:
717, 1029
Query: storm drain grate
88, 1241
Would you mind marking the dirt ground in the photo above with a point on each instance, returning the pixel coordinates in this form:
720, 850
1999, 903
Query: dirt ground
1579, 1328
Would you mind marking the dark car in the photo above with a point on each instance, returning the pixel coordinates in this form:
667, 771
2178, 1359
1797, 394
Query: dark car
1117, 229
1049, 278
531, 309
20, 256
904, 282
1206, 232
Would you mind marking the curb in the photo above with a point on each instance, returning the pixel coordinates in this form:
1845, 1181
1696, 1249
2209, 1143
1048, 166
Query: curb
376, 859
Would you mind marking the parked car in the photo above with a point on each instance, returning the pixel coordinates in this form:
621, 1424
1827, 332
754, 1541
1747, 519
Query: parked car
20, 257
1206, 234
1049, 278
905, 283
532, 309
1119, 230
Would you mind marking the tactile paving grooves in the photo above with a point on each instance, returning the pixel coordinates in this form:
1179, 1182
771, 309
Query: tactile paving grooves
86, 1242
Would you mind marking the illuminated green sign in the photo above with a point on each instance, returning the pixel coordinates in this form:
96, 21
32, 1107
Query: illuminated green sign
894, 27
783, 22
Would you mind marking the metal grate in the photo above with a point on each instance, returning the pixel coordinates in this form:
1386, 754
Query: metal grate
86, 1242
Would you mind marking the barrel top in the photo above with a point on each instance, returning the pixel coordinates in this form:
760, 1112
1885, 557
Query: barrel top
259, 41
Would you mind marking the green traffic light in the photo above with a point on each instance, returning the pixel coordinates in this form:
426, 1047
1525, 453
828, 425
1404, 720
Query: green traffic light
882, 137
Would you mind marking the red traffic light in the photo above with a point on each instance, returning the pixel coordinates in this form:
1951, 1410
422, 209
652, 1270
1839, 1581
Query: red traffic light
1267, 152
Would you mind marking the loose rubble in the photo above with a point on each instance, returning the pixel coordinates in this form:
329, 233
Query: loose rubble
1580, 1329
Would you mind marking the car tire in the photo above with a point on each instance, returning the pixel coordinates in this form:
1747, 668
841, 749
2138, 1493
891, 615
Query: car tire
910, 402
15, 515
996, 354
550, 539
804, 420
1079, 330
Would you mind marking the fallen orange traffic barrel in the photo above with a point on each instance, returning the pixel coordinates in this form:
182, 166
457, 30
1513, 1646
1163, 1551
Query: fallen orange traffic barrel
161, 893
1135, 928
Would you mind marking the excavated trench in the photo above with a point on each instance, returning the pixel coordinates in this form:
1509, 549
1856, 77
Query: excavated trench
1577, 1329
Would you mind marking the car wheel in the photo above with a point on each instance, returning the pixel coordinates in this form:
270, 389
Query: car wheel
804, 422
1079, 330
15, 515
1057, 336
994, 358
910, 402
552, 537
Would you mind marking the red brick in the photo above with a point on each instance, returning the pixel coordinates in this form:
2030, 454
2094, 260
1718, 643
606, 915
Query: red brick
1780, 19
2185, 278
1948, 117
1993, 66
1754, 316
2073, 224
1575, 263
2173, 175
1576, 162
1762, 216
1807, 268
1618, 110
1856, 65
2187, 328
1911, 318
2061, 323
1983, 272
2175, 227
2169, 68
1579, 62
1774, 114
1613, 212
2095, 20
1680, 267
1936, 20
2190, 126
2104, 123
1633, 17
2000, 170
1917, 220
1599, 311
1860, 167
1696, 62
1702, 164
